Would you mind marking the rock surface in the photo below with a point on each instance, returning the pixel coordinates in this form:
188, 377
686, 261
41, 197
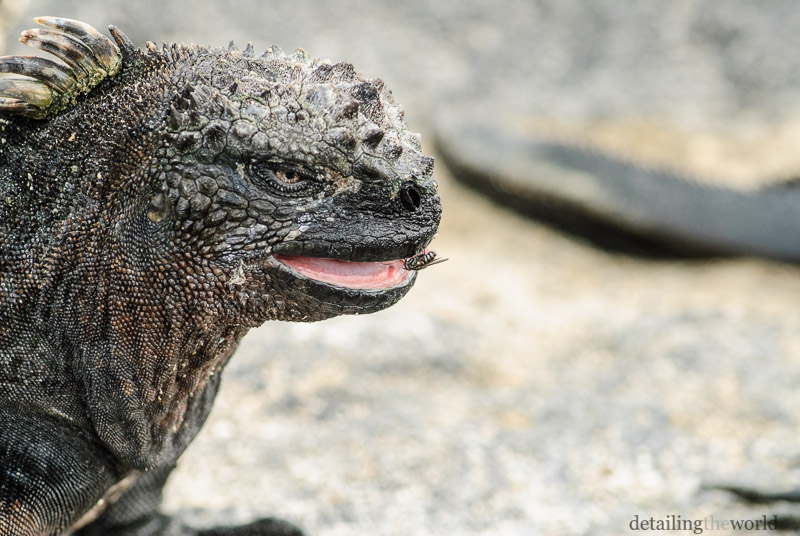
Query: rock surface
530, 385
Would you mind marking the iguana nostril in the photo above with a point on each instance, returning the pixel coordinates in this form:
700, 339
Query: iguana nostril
410, 197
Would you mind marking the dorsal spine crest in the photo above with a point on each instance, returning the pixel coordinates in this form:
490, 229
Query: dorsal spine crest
48, 87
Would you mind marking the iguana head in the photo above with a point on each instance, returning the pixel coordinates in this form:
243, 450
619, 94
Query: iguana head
260, 187
300, 171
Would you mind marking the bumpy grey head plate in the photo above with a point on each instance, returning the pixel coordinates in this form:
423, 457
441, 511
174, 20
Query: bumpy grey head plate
49, 86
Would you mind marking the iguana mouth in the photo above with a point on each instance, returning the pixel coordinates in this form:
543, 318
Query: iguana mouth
348, 274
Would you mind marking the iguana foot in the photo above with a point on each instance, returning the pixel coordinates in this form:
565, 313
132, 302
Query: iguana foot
753, 495
263, 527
782, 522
161, 525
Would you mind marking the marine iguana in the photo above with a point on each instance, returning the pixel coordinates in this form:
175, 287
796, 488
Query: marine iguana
154, 206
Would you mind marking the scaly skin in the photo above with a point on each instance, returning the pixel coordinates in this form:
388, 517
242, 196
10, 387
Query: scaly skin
146, 224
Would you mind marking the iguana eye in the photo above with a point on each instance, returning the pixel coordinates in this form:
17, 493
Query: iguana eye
288, 177
285, 182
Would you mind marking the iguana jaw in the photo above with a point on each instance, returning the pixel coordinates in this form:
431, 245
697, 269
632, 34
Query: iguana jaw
349, 275
337, 287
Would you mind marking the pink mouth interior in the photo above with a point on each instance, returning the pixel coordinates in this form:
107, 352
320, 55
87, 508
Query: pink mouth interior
355, 275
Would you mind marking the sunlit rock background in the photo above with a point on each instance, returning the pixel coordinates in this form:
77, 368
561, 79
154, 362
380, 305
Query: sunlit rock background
531, 385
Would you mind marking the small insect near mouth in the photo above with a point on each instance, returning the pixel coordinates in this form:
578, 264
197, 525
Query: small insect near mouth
421, 260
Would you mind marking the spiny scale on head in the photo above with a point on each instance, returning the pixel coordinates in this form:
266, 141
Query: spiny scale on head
335, 93
357, 111
90, 57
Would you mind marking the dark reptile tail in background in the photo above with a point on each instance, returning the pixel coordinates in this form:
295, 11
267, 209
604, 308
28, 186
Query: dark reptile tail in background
617, 205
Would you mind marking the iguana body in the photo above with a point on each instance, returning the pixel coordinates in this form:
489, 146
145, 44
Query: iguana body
154, 206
